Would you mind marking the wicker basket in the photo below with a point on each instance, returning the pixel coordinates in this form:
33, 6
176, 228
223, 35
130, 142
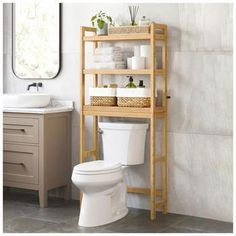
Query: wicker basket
133, 97
103, 101
129, 29
103, 96
133, 102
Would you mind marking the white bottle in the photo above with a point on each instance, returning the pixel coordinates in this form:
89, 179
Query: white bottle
144, 21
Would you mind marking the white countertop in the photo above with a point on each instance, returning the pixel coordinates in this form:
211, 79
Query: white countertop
55, 106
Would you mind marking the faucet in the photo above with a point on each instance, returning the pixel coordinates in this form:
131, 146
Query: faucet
37, 85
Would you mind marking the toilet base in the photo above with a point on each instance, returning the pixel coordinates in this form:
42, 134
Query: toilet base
103, 208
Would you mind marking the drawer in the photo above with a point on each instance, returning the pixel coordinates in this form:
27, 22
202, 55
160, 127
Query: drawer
23, 130
20, 163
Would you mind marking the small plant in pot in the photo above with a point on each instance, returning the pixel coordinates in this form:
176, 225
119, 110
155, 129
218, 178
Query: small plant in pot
100, 21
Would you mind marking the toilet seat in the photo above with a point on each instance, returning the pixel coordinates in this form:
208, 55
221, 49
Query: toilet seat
97, 167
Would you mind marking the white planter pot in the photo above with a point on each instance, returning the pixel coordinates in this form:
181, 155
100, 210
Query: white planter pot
103, 31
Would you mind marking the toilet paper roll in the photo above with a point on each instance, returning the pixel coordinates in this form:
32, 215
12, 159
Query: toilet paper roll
145, 51
138, 63
136, 51
129, 62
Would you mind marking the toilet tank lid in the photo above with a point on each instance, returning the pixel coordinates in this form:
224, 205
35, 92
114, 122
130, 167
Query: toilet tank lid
122, 126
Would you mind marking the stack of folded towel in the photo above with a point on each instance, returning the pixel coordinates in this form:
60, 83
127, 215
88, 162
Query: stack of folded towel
109, 58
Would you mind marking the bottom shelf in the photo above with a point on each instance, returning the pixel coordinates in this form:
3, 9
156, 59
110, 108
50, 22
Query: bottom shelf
132, 112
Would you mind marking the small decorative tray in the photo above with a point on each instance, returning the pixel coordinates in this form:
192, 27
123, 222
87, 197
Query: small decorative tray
129, 29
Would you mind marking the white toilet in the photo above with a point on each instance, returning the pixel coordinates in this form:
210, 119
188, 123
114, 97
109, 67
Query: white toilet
102, 181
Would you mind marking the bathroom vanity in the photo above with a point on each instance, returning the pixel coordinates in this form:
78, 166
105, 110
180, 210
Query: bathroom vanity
37, 149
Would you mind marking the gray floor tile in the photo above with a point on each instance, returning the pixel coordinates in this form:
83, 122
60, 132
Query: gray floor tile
21, 213
140, 223
180, 230
12, 210
25, 225
206, 225
57, 214
74, 223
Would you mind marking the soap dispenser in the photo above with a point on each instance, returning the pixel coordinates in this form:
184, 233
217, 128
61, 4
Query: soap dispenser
141, 85
131, 83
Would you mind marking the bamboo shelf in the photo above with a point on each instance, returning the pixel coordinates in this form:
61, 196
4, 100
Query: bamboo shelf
122, 37
151, 113
131, 112
122, 72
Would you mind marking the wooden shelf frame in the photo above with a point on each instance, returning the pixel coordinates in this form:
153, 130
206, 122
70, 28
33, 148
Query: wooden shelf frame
151, 113
122, 72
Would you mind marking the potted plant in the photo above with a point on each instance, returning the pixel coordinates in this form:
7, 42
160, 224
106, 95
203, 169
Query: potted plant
100, 21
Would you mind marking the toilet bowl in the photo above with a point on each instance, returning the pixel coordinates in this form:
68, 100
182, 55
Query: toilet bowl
104, 192
102, 182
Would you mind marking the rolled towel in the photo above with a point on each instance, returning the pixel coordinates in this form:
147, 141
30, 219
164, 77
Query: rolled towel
107, 50
108, 58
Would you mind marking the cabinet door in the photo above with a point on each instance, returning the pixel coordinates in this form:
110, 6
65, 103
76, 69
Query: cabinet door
23, 130
20, 163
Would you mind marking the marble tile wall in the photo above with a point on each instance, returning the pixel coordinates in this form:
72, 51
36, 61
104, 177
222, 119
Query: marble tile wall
200, 130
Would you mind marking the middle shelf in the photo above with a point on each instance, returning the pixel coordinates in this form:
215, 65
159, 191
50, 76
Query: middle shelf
122, 72
132, 112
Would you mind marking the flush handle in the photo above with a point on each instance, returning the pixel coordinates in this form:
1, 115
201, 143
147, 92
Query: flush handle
100, 131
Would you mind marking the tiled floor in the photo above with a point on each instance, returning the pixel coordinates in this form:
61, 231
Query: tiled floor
21, 213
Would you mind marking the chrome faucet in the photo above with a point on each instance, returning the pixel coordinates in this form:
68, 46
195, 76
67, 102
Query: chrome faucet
37, 85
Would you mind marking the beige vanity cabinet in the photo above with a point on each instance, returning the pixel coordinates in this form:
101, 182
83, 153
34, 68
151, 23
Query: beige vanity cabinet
37, 152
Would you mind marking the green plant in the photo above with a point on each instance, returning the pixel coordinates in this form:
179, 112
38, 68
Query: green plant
100, 19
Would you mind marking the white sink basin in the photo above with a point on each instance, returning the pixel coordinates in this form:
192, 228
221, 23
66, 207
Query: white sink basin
26, 100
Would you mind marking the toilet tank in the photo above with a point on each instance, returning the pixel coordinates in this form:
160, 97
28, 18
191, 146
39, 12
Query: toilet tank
123, 142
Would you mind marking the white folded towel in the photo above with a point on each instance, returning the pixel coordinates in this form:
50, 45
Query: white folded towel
107, 50
110, 65
108, 58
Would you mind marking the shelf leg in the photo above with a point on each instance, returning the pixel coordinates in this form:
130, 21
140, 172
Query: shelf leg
95, 137
82, 143
82, 98
152, 168
95, 118
164, 165
153, 127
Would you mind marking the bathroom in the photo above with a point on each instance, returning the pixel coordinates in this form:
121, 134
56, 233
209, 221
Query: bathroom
199, 131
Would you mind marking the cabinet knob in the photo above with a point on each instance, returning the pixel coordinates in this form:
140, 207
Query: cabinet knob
168, 97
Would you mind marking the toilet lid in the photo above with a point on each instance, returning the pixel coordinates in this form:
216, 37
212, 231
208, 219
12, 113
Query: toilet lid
97, 167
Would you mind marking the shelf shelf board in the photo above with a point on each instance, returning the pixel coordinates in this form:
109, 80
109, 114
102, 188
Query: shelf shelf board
123, 37
132, 112
117, 37
122, 72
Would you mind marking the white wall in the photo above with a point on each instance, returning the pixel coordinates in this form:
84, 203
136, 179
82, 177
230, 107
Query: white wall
200, 161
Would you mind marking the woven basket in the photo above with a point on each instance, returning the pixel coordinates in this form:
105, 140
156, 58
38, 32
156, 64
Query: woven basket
103, 101
129, 29
134, 101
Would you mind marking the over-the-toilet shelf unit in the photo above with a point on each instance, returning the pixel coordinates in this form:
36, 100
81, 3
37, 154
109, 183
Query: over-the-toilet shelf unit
158, 32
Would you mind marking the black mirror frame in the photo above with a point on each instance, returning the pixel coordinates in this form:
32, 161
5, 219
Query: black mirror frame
60, 47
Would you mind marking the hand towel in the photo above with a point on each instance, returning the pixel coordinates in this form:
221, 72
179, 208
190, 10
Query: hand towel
110, 65
107, 50
108, 58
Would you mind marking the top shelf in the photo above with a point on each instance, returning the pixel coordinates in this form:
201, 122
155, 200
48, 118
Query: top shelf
123, 37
